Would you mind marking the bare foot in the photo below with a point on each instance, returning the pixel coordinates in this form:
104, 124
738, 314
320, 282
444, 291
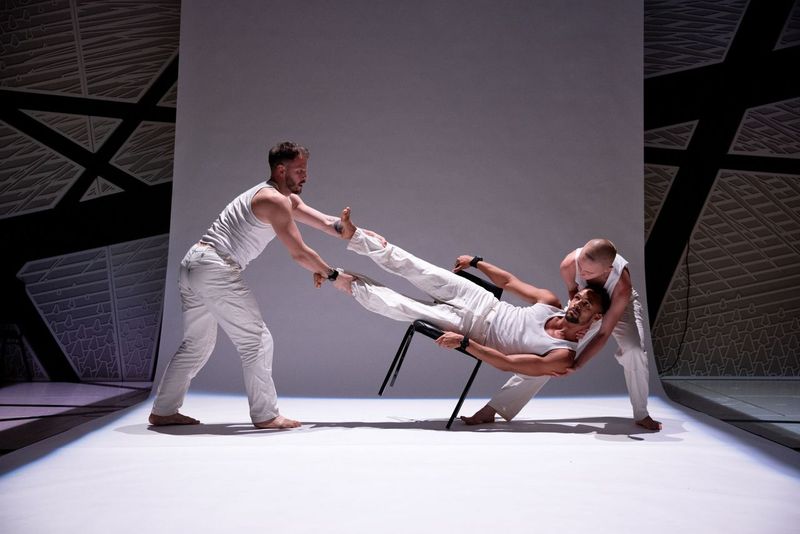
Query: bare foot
649, 423
348, 228
484, 415
278, 422
174, 419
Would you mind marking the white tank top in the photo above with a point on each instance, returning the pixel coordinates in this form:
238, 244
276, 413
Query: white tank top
237, 234
613, 277
521, 330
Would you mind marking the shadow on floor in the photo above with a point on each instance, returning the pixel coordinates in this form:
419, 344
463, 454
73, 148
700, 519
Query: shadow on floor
602, 427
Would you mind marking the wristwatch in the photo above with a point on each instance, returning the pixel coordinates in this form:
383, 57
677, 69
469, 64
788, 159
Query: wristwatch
464, 343
474, 261
333, 275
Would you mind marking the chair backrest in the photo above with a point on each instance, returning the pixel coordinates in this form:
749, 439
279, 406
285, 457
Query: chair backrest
485, 284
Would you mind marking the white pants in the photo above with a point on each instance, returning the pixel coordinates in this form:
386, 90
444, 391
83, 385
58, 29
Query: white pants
213, 293
460, 305
631, 354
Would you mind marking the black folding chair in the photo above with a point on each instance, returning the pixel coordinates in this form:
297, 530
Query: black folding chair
434, 332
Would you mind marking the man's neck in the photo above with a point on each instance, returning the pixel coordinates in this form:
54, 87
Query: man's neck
281, 188
560, 324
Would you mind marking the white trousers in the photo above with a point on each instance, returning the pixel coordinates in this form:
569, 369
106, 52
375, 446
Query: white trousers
460, 305
631, 354
213, 293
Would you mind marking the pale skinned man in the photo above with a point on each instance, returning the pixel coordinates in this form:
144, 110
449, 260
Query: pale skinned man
214, 294
598, 263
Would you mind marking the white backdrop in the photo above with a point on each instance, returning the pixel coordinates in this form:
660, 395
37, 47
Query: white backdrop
507, 129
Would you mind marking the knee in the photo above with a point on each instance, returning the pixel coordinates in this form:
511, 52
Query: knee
256, 346
631, 356
193, 348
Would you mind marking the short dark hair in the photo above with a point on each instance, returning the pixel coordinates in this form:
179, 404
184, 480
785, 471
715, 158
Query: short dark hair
285, 151
600, 291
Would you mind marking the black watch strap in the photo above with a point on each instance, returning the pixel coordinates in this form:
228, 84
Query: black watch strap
333, 275
474, 261
464, 343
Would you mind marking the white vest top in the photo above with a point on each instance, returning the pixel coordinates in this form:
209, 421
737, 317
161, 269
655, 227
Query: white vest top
237, 234
613, 277
521, 330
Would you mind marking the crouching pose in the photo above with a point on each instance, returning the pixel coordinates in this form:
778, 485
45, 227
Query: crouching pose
533, 340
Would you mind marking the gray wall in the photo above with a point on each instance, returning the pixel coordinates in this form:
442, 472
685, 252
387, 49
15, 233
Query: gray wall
509, 129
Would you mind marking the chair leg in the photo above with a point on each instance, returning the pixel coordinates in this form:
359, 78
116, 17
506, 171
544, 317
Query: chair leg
409, 335
401, 352
464, 394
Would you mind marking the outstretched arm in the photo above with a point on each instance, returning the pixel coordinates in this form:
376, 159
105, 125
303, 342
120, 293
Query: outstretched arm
509, 282
314, 218
619, 301
326, 223
554, 362
277, 211
567, 270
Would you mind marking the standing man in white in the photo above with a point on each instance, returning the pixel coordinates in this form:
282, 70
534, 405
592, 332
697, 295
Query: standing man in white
596, 262
213, 292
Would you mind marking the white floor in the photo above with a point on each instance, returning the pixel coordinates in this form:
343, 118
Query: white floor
388, 465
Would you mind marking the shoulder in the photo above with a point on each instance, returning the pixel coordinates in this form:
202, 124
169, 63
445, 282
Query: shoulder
269, 196
568, 263
268, 203
546, 308
624, 284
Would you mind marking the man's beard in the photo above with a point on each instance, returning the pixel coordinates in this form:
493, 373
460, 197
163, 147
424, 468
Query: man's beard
571, 317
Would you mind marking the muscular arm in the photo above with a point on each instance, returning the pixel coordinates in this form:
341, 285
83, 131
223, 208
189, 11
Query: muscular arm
567, 271
277, 211
313, 218
509, 282
325, 223
554, 362
619, 301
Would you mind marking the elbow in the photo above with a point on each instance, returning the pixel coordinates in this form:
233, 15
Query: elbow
506, 281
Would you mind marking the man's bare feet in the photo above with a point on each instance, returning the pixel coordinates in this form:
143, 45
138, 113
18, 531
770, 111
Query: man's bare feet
484, 415
348, 228
174, 419
278, 422
649, 423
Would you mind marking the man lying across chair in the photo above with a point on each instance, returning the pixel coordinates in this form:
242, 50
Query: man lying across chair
533, 340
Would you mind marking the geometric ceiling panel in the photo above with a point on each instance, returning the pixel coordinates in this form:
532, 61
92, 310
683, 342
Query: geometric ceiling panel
96, 48
28, 29
32, 177
657, 181
19, 362
770, 130
171, 98
100, 188
790, 36
74, 296
139, 269
89, 132
743, 316
126, 45
675, 136
103, 306
686, 34
148, 153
